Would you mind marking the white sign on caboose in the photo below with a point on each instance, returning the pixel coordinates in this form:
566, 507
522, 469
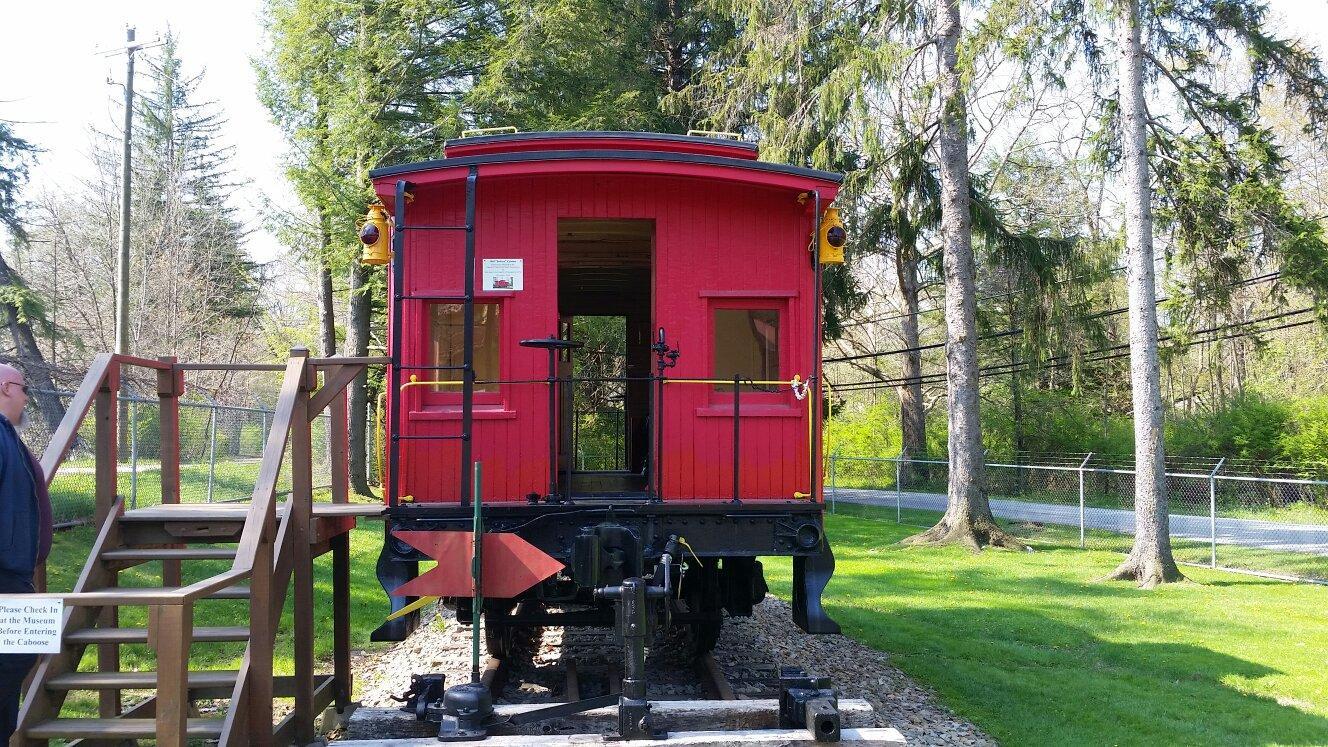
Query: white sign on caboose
503, 274
30, 625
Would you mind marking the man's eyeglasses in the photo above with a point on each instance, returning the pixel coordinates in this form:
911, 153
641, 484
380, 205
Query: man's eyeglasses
24, 387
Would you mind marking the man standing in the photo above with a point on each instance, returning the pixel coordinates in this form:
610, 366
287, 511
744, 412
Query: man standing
25, 530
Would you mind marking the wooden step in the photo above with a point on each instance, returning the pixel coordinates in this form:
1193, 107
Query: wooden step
208, 512
133, 595
120, 728
140, 635
146, 554
214, 680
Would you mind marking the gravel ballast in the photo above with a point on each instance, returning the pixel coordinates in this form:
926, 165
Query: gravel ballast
749, 652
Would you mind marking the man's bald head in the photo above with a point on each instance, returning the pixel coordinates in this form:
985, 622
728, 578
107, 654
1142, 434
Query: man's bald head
13, 393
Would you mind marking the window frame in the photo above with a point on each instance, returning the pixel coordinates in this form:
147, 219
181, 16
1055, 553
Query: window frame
780, 306
450, 398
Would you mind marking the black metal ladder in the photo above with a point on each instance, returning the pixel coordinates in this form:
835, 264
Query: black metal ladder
467, 367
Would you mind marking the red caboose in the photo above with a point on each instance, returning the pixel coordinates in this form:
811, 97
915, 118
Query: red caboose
693, 266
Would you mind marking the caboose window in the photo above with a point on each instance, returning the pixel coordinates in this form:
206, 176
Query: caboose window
746, 344
446, 330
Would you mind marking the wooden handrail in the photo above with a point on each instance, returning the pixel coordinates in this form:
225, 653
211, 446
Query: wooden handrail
262, 507
231, 366
133, 360
78, 410
337, 360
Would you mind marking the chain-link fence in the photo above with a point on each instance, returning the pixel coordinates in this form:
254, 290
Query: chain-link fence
221, 447
1276, 525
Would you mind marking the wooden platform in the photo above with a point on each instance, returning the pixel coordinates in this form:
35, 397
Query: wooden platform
236, 511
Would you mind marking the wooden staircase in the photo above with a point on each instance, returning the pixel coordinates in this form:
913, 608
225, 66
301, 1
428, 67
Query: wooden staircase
268, 545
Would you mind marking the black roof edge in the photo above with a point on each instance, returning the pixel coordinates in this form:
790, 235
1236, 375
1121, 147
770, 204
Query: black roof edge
598, 134
619, 155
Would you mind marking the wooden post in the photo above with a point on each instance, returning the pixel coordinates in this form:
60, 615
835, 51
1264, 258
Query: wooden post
107, 468
341, 619
338, 435
170, 385
170, 630
259, 707
301, 507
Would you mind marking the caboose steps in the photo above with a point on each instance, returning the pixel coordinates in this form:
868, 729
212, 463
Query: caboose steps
250, 554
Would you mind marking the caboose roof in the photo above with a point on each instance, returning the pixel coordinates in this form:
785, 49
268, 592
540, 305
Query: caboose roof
533, 153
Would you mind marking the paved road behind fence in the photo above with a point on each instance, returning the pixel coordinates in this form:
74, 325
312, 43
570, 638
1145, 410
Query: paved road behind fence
1265, 535
1236, 521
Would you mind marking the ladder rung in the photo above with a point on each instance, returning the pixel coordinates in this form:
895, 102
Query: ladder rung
136, 680
140, 635
122, 728
461, 367
435, 228
144, 555
456, 299
461, 437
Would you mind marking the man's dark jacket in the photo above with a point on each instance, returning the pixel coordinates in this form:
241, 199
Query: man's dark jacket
25, 507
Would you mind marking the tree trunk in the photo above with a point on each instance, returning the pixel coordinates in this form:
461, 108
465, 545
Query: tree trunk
327, 313
967, 518
1150, 561
30, 359
357, 345
912, 412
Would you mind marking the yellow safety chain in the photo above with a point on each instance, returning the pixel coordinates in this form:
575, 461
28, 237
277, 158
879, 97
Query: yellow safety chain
683, 541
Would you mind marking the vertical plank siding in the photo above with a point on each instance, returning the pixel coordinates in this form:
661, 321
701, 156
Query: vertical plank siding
709, 236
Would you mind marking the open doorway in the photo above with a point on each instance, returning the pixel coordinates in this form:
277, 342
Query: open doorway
604, 302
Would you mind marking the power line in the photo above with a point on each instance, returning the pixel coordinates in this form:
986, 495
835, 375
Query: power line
1006, 333
1112, 352
940, 378
988, 297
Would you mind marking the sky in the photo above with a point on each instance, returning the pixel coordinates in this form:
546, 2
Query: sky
63, 90
55, 87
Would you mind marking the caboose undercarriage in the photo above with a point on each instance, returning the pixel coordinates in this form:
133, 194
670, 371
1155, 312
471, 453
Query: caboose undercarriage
601, 544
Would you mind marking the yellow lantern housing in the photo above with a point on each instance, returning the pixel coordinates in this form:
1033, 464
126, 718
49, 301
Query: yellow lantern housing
831, 238
376, 235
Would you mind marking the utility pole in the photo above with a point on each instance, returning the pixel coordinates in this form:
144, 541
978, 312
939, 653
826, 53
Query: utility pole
126, 195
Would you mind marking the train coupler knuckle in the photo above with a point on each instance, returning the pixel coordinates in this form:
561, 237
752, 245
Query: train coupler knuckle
808, 702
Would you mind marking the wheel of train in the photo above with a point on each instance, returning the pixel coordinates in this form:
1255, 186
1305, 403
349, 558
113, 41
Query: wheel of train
508, 641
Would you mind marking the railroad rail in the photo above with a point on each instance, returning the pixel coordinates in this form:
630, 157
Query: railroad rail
707, 699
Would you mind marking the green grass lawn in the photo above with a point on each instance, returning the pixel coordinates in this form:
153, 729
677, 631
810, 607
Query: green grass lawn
1027, 645
368, 606
1033, 649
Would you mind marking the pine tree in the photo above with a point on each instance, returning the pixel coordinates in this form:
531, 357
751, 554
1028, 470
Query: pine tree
357, 86
183, 216
593, 64
22, 308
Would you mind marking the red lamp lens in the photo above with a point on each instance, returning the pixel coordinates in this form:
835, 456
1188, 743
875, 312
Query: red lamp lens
369, 234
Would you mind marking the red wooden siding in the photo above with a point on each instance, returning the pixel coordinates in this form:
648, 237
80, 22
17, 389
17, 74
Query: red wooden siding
716, 243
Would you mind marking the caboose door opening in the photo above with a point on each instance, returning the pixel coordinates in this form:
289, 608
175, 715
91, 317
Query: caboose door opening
605, 270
